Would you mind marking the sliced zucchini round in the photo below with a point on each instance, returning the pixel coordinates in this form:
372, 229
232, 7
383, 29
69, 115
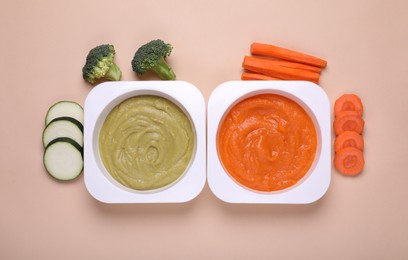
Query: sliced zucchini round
63, 159
63, 127
71, 119
65, 109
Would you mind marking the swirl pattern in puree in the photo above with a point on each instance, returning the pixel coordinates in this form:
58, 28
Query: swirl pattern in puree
267, 142
146, 142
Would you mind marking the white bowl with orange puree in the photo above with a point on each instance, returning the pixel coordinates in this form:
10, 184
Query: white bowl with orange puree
268, 142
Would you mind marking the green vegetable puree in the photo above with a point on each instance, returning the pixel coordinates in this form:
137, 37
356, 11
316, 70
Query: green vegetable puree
146, 142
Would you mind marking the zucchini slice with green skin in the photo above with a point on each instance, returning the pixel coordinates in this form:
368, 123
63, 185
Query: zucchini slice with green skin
63, 127
65, 109
71, 119
63, 159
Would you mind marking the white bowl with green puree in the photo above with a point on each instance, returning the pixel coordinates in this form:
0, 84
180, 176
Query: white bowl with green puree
144, 142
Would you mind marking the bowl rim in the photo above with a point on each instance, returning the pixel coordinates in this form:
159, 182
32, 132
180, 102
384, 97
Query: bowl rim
101, 100
312, 99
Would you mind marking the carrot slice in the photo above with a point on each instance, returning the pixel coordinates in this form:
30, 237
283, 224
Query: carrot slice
348, 139
348, 102
349, 161
348, 121
256, 65
256, 76
286, 54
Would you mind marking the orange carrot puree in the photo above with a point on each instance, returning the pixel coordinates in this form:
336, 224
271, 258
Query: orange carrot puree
267, 142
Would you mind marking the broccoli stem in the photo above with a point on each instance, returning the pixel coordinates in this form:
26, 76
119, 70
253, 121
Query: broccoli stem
114, 73
163, 70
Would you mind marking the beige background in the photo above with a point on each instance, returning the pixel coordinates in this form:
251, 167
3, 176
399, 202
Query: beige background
43, 46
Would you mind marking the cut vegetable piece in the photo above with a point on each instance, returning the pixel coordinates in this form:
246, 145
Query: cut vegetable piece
255, 65
348, 139
348, 121
256, 76
286, 54
348, 102
284, 63
71, 119
65, 109
63, 127
349, 161
63, 159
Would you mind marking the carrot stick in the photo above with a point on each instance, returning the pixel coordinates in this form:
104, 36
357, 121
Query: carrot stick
348, 121
285, 63
349, 161
348, 139
348, 102
256, 76
286, 54
253, 64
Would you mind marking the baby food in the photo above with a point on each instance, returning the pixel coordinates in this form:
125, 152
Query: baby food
146, 142
267, 142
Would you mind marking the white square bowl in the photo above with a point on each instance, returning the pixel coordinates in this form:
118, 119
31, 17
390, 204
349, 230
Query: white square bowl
313, 100
101, 100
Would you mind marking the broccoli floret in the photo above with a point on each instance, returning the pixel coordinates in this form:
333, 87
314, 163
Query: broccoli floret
151, 57
100, 65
